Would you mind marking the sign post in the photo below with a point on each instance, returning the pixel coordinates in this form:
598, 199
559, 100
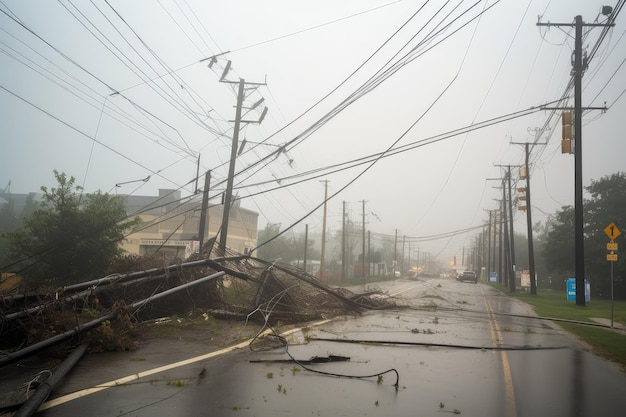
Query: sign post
612, 231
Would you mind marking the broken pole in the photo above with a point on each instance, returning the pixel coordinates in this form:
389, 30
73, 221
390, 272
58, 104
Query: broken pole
36, 347
42, 392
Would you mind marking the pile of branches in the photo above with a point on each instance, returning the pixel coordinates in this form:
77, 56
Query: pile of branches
291, 293
245, 285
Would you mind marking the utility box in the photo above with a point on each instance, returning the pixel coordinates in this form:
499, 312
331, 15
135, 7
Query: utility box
571, 290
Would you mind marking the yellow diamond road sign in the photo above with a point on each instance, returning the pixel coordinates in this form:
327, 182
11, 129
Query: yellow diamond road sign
612, 231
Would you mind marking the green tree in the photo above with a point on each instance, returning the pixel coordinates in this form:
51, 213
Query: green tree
605, 206
71, 238
287, 249
556, 242
276, 248
11, 219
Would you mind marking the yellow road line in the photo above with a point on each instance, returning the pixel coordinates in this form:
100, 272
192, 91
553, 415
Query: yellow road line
88, 391
496, 335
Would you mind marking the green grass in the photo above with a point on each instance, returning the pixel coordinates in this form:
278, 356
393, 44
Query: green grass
605, 342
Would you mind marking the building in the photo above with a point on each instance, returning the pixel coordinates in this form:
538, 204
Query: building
170, 225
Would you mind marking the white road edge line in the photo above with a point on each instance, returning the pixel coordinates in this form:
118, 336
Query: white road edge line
88, 391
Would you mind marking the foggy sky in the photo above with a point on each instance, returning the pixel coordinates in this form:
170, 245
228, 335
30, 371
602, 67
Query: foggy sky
119, 92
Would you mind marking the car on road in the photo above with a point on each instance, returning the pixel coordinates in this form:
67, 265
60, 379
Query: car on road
467, 276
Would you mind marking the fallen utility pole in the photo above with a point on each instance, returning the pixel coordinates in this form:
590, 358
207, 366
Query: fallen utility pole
45, 388
37, 347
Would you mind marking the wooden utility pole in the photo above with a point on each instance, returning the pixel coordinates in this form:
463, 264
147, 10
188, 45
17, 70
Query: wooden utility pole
231, 167
306, 243
529, 224
489, 250
579, 66
363, 233
508, 174
228, 194
322, 270
507, 242
369, 253
395, 253
529, 220
204, 214
343, 242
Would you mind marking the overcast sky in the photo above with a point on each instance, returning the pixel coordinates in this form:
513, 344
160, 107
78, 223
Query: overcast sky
120, 95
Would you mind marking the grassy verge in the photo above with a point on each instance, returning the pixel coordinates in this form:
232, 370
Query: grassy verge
605, 342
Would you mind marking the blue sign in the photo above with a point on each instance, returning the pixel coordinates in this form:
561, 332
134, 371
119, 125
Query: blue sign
571, 290
493, 277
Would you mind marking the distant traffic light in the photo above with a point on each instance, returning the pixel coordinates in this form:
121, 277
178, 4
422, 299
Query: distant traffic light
567, 132
521, 197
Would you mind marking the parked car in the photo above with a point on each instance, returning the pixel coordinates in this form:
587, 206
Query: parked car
468, 276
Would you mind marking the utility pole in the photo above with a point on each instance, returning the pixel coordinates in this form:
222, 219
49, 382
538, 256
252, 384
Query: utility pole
228, 195
529, 225
489, 248
363, 230
529, 220
495, 243
509, 236
403, 252
507, 246
395, 253
322, 271
204, 210
579, 67
306, 243
369, 253
343, 242
231, 168
500, 231
512, 287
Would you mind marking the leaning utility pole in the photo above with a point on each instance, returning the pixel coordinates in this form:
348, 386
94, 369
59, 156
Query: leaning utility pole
204, 210
228, 195
579, 66
231, 168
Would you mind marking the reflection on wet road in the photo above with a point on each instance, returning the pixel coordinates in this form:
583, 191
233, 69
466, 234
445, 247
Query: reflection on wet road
441, 340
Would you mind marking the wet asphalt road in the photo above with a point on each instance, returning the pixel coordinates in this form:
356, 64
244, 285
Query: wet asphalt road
543, 372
